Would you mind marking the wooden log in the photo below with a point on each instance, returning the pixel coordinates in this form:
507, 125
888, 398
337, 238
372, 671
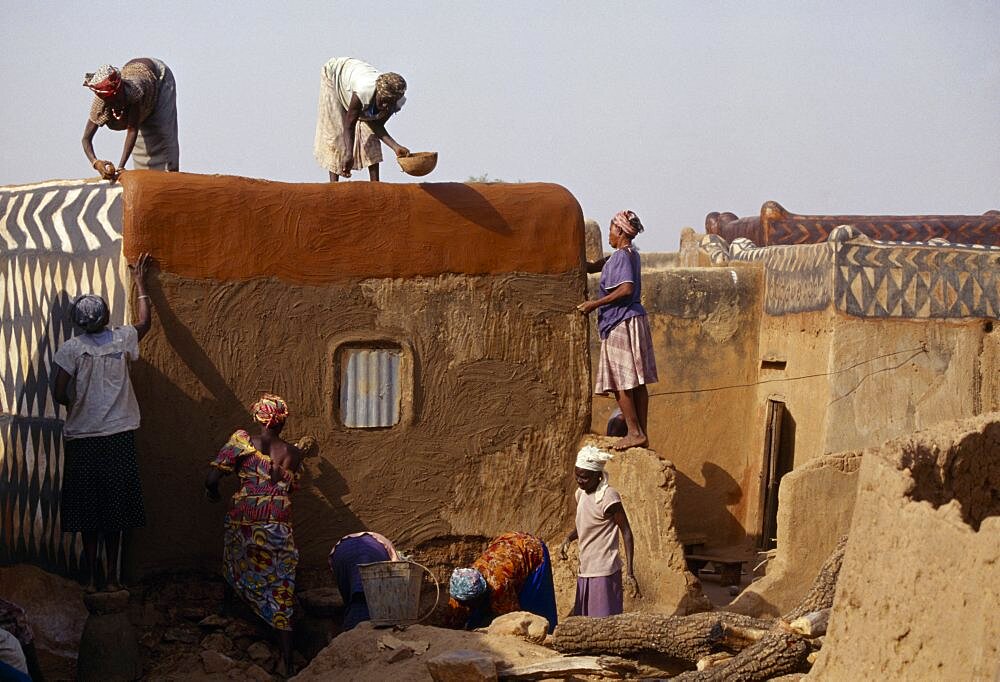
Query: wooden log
713, 660
812, 624
820, 595
572, 666
687, 638
776, 654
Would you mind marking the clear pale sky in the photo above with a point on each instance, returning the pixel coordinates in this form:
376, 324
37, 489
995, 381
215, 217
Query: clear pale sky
672, 109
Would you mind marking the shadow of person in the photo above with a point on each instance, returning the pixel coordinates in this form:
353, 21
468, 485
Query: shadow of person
469, 203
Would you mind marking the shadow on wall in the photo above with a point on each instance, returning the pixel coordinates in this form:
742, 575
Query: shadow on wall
186, 417
718, 486
468, 203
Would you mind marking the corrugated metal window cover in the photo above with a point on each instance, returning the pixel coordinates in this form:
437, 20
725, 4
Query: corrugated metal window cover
369, 387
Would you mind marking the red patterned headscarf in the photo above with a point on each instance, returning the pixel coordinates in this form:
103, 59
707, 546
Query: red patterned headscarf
271, 410
105, 82
628, 222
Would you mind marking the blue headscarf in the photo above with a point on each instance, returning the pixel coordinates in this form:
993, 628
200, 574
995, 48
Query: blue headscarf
90, 311
466, 584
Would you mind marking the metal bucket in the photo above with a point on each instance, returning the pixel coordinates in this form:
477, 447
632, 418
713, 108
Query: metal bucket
392, 590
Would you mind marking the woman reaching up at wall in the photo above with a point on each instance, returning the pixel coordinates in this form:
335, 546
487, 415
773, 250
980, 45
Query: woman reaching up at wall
627, 363
600, 517
101, 490
259, 553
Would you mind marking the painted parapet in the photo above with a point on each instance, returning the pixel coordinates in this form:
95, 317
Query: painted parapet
57, 239
918, 592
467, 294
776, 226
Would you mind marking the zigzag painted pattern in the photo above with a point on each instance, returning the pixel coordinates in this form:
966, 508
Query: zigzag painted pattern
917, 282
57, 240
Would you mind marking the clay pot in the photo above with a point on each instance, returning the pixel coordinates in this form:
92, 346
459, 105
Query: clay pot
418, 163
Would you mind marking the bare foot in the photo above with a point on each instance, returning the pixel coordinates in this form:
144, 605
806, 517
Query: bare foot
113, 586
285, 669
90, 587
637, 440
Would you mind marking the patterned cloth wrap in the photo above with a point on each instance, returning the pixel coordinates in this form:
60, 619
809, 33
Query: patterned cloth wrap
105, 82
259, 554
14, 621
518, 572
90, 312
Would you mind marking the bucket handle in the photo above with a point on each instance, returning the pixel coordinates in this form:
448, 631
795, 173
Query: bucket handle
437, 593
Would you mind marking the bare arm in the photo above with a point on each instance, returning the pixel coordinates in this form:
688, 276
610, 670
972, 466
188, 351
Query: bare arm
105, 168
351, 117
616, 513
138, 270
378, 127
573, 535
623, 290
61, 390
212, 484
597, 265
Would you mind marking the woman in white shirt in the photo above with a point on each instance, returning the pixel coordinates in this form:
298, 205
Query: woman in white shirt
355, 101
101, 490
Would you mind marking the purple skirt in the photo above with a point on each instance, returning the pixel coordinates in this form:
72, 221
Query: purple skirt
599, 597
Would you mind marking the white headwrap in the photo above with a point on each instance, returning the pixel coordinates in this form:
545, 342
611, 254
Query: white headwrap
593, 459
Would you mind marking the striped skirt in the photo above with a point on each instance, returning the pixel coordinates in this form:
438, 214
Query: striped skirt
627, 357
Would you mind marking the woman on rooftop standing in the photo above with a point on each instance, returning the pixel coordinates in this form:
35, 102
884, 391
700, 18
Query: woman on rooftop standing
141, 99
627, 363
101, 490
259, 553
355, 102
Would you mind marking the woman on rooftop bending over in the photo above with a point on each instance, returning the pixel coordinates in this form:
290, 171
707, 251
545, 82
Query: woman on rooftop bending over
346, 557
513, 574
600, 517
141, 99
355, 101
101, 489
627, 363
259, 553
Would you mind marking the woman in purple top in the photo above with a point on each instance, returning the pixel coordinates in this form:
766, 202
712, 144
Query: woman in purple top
627, 363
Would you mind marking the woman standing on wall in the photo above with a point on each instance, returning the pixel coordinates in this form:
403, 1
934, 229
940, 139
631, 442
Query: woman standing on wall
101, 490
141, 99
627, 363
259, 553
355, 102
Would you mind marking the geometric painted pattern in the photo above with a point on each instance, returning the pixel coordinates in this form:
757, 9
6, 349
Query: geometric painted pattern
776, 226
874, 280
57, 240
796, 278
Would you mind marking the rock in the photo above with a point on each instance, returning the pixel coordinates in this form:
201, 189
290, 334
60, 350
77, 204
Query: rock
109, 649
213, 622
238, 628
180, 634
197, 613
324, 602
218, 642
400, 654
259, 652
462, 665
214, 662
521, 624
106, 602
255, 672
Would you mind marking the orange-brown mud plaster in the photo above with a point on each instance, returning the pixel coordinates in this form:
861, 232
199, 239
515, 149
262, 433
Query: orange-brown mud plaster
226, 228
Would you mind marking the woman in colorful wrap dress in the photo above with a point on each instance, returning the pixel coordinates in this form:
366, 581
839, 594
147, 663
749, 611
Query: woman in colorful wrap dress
627, 363
600, 517
259, 553
513, 574
355, 102
140, 99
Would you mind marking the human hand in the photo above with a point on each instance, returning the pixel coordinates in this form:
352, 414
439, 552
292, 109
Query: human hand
106, 169
212, 494
138, 269
632, 586
586, 307
401, 152
347, 164
563, 551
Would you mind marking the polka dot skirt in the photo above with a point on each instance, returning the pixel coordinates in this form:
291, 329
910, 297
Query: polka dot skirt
101, 490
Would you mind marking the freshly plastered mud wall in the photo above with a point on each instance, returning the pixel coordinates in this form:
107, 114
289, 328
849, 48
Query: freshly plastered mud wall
57, 239
265, 286
918, 592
